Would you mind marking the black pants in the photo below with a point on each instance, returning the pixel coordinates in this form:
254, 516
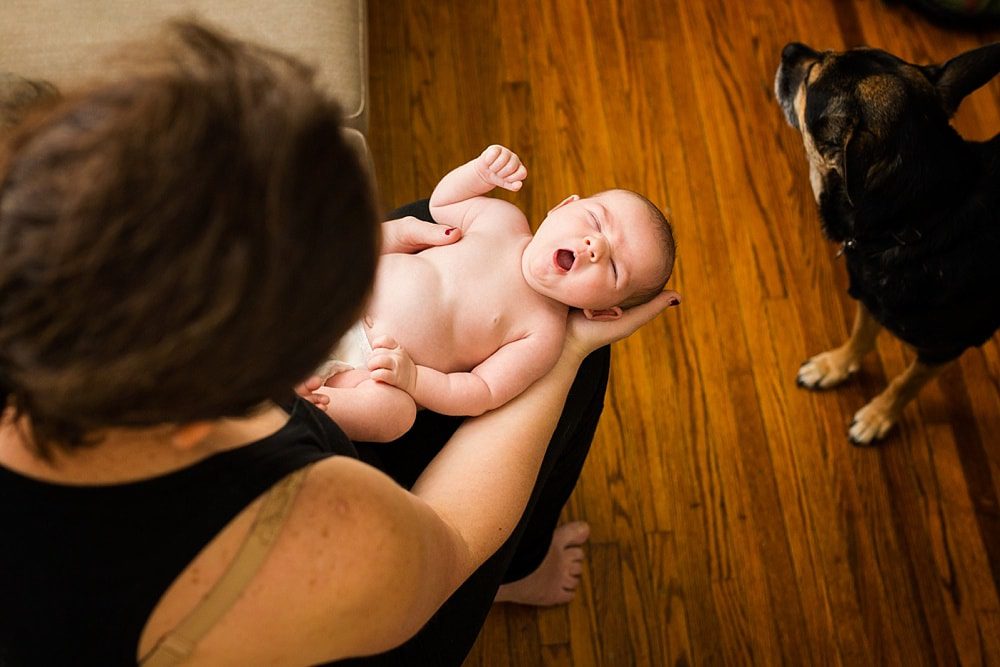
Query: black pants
451, 632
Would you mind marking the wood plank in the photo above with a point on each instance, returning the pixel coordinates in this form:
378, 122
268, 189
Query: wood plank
732, 522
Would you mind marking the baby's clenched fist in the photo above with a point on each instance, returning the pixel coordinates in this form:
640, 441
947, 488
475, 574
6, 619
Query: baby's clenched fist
389, 363
501, 167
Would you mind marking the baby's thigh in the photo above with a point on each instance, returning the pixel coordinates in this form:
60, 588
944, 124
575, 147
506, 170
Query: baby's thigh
348, 379
392, 407
370, 411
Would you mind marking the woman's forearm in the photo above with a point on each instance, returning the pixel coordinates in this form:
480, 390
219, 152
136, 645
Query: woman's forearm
479, 483
481, 480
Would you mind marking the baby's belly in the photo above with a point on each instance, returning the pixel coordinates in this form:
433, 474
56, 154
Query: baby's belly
422, 309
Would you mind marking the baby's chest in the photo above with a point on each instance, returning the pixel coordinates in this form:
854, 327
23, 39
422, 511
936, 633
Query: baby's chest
489, 305
487, 292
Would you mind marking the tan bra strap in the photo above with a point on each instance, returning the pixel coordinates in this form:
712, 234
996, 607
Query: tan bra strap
178, 644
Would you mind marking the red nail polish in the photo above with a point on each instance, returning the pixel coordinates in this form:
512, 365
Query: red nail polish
449, 231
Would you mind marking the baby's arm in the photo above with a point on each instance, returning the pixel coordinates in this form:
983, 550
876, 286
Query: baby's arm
455, 199
505, 374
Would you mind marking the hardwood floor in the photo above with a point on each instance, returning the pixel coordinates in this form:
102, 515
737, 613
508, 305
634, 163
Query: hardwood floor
732, 521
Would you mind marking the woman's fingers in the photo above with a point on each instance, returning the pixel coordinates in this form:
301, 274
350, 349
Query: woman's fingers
633, 318
307, 391
311, 384
411, 234
587, 335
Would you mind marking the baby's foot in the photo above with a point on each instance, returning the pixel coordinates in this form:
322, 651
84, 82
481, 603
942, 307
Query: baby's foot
555, 580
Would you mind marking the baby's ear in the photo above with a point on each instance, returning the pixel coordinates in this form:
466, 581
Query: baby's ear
607, 315
564, 202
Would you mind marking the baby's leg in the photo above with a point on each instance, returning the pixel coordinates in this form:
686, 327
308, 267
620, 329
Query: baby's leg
348, 379
367, 410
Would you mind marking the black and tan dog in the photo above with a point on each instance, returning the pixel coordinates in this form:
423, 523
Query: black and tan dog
916, 207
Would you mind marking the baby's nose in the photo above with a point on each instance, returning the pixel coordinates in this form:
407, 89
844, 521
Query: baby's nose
596, 247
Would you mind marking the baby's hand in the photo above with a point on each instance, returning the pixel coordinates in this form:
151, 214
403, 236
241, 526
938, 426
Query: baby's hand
499, 166
391, 364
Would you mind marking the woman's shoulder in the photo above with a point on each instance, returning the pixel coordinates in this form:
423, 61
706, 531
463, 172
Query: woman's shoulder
348, 554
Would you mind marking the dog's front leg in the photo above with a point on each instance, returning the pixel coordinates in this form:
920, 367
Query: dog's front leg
873, 421
829, 369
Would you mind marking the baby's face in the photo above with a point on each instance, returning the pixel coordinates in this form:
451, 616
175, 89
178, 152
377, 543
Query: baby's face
595, 253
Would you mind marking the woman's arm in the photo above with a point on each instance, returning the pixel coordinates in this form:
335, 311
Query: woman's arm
362, 564
468, 500
480, 481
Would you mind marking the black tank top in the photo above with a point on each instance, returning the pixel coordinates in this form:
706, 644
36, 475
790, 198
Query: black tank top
82, 567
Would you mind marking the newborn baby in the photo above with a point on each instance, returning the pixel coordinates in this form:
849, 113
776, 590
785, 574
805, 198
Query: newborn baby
463, 328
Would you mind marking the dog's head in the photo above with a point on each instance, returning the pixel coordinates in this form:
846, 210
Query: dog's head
866, 115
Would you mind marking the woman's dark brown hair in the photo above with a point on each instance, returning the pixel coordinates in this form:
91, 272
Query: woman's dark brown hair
182, 243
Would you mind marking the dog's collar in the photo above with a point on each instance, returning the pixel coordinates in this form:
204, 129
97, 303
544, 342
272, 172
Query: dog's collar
876, 245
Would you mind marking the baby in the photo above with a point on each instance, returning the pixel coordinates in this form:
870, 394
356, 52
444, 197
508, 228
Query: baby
463, 328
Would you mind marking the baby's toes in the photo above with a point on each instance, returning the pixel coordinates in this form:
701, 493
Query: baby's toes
568, 586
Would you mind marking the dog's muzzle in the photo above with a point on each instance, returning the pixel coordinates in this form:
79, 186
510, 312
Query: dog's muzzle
789, 77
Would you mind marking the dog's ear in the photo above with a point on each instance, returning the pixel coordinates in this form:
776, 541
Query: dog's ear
840, 129
880, 171
963, 74
856, 163
869, 160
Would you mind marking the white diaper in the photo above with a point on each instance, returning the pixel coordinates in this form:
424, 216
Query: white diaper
352, 351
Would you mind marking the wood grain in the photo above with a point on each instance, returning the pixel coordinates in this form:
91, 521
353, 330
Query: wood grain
732, 522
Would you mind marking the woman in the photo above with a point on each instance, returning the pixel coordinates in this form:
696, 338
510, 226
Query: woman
177, 248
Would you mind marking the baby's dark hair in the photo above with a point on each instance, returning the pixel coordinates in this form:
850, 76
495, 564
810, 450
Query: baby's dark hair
181, 243
668, 247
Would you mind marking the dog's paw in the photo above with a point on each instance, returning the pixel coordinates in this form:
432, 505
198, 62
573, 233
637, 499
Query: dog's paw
826, 370
872, 423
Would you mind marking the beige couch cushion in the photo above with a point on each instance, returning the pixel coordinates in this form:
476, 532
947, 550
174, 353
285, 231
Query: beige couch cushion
63, 40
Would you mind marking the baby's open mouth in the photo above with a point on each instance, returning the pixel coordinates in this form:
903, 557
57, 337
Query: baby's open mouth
565, 259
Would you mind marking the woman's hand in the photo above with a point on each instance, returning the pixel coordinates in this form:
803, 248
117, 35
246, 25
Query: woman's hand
412, 234
583, 335
307, 390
